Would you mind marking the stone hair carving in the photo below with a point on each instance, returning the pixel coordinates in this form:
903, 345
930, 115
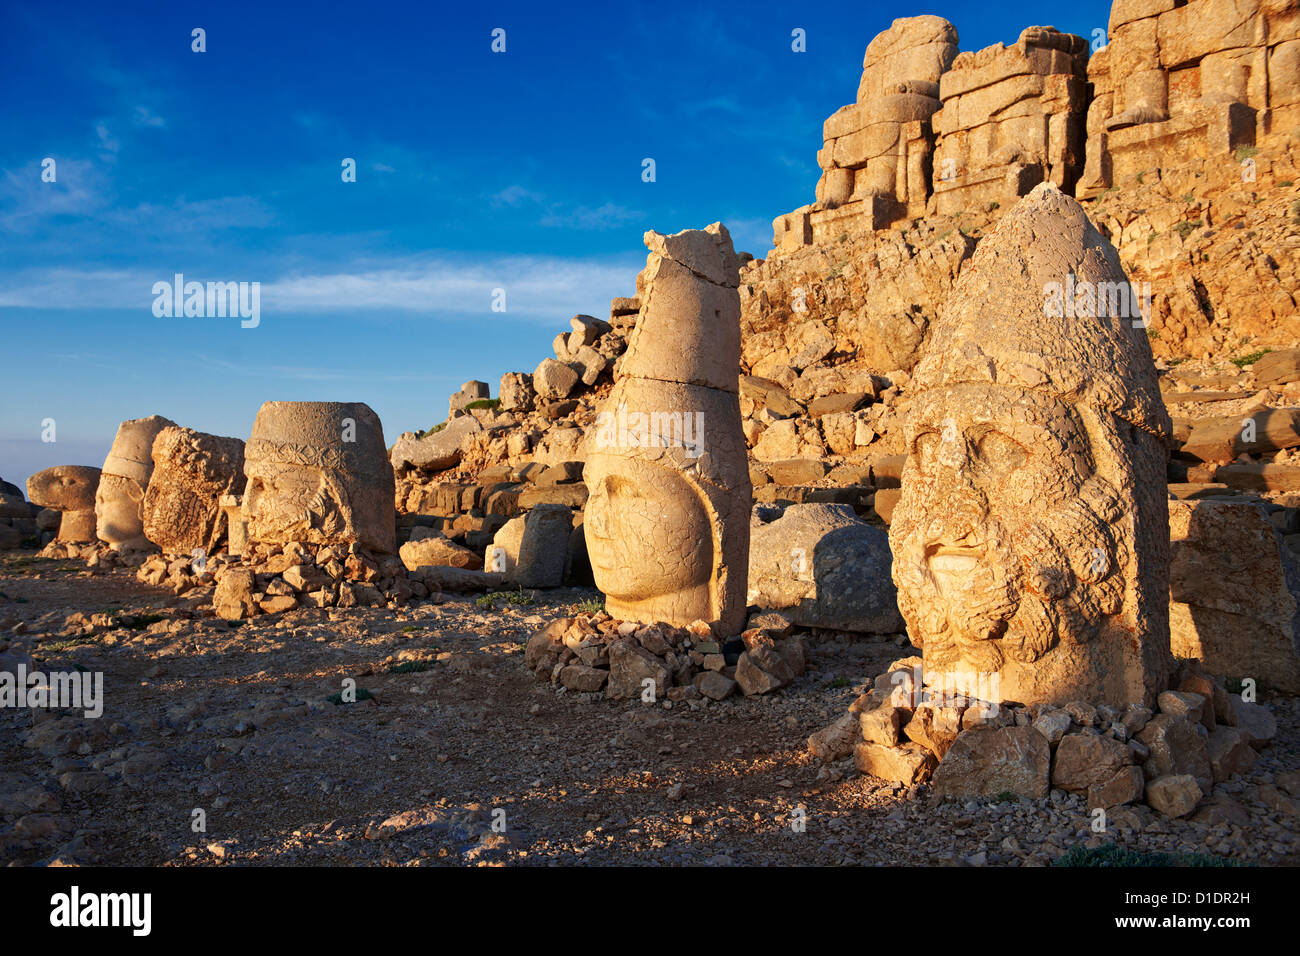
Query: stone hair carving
192, 470
1031, 538
318, 472
119, 499
667, 523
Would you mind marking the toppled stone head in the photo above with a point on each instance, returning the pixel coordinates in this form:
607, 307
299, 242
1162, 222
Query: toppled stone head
1031, 538
318, 472
119, 499
667, 523
69, 489
192, 470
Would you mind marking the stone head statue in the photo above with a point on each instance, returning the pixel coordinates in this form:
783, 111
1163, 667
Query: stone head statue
667, 521
192, 470
69, 489
318, 472
119, 498
1031, 538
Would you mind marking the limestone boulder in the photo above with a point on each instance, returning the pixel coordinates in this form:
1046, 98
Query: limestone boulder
532, 550
987, 762
824, 567
438, 450
434, 549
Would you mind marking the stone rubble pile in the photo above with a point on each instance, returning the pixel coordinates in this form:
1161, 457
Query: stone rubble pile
623, 660
1171, 758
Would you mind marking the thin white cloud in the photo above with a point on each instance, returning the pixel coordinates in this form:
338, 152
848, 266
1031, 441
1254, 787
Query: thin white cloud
541, 288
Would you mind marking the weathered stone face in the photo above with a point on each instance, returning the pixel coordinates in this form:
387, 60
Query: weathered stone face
64, 487
1031, 538
318, 472
667, 521
71, 490
192, 470
119, 499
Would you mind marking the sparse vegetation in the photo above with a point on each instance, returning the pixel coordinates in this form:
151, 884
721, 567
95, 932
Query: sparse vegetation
1187, 227
520, 598
1250, 359
1246, 152
591, 606
482, 403
1112, 855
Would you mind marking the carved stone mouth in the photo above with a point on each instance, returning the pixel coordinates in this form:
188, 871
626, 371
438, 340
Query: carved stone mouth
950, 560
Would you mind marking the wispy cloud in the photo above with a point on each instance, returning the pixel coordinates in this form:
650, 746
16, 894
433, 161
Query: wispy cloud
541, 288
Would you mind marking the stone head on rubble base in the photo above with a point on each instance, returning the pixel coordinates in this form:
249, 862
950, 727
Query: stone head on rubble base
667, 523
192, 470
119, 499
318, 472
1031, 547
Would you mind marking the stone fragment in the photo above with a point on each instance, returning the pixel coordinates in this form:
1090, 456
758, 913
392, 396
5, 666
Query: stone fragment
908, 764
233, 597
823, 566
989, 762
435, 549
714, 685
1175, 795
584, 679
836, 741
532, 550
1086, 760
1230, 752
438, 450
634, 671
883, 725
1177, 747
1127, 785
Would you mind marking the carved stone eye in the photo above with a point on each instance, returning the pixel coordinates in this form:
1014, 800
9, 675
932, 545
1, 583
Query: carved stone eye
999, 452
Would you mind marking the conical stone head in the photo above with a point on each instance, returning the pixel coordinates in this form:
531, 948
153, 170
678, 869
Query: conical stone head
1031, 538
667, 523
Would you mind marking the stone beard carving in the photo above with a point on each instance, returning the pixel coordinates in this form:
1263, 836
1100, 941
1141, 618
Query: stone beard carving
318, 472
119, 499
1031, 538
192, 470
667, 521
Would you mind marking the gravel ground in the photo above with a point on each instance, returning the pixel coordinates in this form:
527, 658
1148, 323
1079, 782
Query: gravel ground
461, 758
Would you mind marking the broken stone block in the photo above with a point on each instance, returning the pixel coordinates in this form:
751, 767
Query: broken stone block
823, 566
835, 741
988, 762
532, 549
1087, 760
1175, 795
1125, 786
1177, 747
630, 667
908, 764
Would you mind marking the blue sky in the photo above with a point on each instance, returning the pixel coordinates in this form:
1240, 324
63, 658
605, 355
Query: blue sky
475, 170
